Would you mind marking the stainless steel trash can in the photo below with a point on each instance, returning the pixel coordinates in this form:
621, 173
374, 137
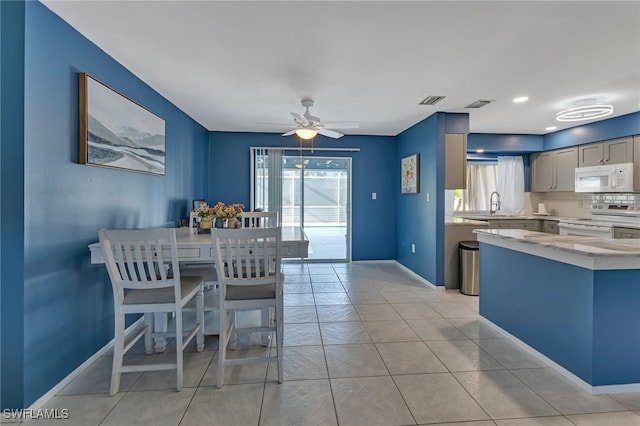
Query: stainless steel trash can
469, 252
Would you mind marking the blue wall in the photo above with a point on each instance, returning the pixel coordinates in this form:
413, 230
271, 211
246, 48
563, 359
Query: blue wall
68, 311
12, 200
504, 143
419, 221
624, 125
372, 238
584, 320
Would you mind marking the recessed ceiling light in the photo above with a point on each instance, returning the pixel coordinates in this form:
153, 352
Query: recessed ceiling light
521, 99
479, 151
551, 128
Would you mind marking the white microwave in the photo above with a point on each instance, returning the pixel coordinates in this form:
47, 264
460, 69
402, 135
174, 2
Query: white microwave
607, 178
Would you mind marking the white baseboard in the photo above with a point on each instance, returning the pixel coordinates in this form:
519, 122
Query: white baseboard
75, 373
416, 276
594, 390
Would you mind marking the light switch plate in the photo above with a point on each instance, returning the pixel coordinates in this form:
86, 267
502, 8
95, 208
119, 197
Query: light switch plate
374, 195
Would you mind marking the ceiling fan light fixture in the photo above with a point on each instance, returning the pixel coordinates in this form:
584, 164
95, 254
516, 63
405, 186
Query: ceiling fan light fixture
306, 133
587, 109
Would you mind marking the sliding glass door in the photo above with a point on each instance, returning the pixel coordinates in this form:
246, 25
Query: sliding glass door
316, 194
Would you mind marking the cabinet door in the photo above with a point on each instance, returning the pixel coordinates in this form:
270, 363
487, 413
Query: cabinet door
542, 172
626, 233
591, 154
565, 168
618, 151
551, 227
455, 161
530, 225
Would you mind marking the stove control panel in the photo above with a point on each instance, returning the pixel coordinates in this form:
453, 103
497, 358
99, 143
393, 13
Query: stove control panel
628, 210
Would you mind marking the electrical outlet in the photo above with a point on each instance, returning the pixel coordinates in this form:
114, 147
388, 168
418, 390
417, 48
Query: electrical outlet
413, 248
374, 195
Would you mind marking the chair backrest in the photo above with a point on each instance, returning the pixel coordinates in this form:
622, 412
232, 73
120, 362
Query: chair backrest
258, 219
248, 256
141, 259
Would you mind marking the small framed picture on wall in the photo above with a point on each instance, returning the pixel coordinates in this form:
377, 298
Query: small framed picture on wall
410, 168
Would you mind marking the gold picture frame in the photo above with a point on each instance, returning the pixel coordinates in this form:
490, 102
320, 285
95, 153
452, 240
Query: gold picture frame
117, 132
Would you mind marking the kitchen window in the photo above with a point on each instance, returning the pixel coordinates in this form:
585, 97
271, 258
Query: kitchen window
481, 182
506, 176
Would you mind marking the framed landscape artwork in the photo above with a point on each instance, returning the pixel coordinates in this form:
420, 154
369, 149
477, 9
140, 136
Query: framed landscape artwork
410, 168
117, 132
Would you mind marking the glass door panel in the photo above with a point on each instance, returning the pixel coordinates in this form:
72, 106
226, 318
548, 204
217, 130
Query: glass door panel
316, 195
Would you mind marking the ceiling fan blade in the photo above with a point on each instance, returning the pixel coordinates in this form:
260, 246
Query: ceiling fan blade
341, 125
278, 124
300, 119
290, 132
329, 133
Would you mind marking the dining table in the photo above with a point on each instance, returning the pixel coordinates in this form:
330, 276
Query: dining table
194, 247
197, 248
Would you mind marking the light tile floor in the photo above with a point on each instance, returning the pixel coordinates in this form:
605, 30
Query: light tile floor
365, 344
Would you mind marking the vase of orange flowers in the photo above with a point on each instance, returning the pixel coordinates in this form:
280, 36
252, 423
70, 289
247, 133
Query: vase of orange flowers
226, 214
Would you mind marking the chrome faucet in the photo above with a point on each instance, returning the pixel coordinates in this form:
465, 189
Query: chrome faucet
493, 204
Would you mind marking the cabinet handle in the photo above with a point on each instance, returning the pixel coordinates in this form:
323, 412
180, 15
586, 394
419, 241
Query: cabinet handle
606, 159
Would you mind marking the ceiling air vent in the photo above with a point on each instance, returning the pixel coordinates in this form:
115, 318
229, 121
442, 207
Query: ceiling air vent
431, 100
478, 104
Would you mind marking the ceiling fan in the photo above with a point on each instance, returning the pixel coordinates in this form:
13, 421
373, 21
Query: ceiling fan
308, 126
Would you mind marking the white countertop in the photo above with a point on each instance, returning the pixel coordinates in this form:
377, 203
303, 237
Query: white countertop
484, 217
579, 220
456, 220
587, 252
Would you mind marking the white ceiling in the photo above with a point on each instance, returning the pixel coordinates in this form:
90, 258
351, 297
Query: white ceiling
234, 66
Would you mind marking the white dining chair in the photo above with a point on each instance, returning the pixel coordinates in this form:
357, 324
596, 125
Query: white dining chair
248, 262
258, 219
143, 269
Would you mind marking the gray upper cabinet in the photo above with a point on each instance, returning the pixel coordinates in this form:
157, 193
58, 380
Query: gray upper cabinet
614, 151
554, 170
456, 161
566, 163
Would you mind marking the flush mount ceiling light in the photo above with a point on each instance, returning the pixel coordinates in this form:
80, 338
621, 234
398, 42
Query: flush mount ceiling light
306, 133
586, 109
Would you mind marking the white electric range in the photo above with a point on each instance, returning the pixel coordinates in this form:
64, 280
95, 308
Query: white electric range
604, 216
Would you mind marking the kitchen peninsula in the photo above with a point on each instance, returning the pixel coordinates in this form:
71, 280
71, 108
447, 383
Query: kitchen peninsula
573, 299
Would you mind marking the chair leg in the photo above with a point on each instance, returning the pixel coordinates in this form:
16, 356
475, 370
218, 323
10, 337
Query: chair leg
118, 349
179, 350
148, 334
200, 319
222, 347
160, 324
280, 336
266, 319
